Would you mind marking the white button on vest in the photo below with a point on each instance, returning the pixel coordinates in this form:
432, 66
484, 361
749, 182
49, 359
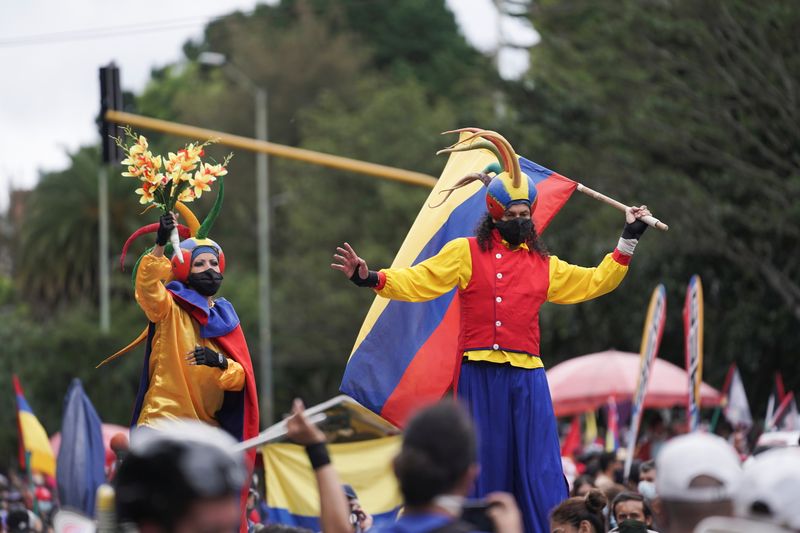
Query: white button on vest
498, 323
498, 299
499, 276
495, 346
499, 256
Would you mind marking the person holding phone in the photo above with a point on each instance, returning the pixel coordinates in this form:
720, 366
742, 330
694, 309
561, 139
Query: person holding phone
435, 469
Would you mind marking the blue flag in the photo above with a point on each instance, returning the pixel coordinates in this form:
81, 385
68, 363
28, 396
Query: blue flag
81, 457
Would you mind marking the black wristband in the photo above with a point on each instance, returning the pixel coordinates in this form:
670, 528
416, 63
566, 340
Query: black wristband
318, 455
634, 230
370, 281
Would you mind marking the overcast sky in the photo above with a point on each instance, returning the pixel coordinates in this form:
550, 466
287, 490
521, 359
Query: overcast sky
50, 52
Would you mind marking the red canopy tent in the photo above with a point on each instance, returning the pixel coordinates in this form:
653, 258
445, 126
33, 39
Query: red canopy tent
585, 383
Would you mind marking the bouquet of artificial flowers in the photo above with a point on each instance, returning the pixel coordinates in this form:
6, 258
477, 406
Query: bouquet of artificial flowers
180, 177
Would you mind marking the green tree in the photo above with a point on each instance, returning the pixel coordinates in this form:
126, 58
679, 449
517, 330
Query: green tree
685, 106
57, 252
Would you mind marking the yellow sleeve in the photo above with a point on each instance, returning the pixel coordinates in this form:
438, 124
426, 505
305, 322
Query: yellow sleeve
570, 284
431, 278
232, 378
152, 296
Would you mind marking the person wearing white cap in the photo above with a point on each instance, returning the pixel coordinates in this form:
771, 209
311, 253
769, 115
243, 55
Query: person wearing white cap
696, 477
770, 489
766, 501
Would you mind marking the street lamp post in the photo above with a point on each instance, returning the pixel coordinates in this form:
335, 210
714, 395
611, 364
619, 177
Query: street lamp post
262, 228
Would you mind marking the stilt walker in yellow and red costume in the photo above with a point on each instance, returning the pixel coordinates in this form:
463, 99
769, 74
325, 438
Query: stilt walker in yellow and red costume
504, 275
196, 362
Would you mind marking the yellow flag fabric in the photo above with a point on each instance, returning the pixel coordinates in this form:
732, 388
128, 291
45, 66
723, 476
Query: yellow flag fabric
292, 495
33, 437
591, 428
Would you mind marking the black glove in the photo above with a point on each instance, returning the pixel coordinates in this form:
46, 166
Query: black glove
370, 281
166, 223
203, 355
633, 230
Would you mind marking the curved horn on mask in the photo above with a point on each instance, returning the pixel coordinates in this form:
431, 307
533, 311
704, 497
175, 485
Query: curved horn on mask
208, 222
463, 182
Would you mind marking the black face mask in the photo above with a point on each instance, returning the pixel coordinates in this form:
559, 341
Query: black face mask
515, 231
206, 282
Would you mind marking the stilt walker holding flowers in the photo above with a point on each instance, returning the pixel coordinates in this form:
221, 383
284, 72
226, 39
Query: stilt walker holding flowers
196, 364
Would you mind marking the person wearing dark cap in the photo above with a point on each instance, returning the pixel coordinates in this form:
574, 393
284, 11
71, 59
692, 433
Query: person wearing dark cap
183, 478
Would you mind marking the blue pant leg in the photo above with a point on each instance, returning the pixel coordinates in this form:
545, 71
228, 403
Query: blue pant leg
539, 484
490, 415
518, 446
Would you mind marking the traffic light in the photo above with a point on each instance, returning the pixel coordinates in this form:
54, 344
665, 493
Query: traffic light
110, 98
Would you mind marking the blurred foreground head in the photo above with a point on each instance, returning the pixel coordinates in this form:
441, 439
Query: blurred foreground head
181, 477
438, 455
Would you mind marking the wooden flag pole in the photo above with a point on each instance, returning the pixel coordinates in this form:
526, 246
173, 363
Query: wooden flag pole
649, 220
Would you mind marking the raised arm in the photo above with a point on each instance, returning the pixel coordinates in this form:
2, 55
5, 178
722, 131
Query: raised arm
333, 506
424, 281
572, 284
151, 295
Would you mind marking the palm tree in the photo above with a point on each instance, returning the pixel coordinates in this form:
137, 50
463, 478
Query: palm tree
57, 254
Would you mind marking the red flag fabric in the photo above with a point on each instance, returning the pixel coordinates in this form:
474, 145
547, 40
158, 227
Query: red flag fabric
572, 441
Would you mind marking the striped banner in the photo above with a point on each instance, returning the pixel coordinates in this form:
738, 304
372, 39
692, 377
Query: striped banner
693, 326
651, 340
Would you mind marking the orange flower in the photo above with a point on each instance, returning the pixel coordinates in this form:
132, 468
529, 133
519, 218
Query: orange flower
146, 191
187, 195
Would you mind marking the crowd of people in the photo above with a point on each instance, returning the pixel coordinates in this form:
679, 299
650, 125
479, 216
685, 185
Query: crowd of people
189, 477
697, 483
26, 504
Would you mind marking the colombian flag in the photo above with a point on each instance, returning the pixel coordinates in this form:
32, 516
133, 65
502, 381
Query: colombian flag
32, 437
292, 495
405, 354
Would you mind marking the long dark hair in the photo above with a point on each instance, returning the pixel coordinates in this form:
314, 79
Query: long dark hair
484, 235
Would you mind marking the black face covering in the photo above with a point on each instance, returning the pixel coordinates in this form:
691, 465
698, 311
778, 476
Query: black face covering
206, 282
515, 231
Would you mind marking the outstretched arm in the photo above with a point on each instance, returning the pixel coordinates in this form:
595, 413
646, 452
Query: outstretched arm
572, 284
347, 261
424, 281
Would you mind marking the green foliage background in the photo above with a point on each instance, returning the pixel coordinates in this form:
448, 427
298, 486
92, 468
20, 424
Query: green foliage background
688, 106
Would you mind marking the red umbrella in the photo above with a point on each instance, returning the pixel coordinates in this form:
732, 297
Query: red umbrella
585, 383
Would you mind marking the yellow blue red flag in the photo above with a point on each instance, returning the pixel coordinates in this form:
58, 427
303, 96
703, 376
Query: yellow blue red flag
292, 495
405, 354
32, 437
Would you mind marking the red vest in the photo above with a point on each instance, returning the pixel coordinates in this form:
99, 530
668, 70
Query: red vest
500, 305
